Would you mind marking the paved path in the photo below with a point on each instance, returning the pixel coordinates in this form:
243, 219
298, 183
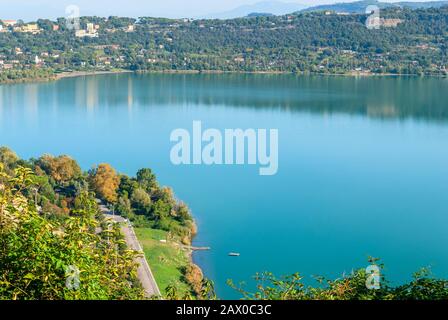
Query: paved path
144, 271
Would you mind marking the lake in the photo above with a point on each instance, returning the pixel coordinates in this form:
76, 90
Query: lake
363, 163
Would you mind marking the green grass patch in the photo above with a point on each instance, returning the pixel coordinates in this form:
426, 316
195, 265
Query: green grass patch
165, 259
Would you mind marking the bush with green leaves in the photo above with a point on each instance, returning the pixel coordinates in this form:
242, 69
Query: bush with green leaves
348, 287
36, 254
146, 204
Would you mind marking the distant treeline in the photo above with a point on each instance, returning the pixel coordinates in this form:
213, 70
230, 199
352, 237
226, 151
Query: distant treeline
315, 42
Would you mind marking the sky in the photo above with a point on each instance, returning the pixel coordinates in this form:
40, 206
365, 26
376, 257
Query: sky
32, 9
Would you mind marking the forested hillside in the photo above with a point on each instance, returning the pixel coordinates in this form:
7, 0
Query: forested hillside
409, 42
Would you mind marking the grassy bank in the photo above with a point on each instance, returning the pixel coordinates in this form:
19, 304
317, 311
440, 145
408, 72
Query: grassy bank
167, 260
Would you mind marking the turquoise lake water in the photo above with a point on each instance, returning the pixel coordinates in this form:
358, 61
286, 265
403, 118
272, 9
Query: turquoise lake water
363, 163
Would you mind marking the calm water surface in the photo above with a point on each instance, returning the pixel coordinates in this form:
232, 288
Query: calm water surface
363, 167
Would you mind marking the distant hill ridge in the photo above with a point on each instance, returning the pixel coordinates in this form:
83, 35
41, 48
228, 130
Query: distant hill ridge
259, 14
264, 7
360, 6
272, 7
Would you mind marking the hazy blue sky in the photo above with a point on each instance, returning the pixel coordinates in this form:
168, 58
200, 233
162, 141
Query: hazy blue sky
31, 9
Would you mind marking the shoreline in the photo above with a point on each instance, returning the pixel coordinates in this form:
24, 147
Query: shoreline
75, 74
350, 74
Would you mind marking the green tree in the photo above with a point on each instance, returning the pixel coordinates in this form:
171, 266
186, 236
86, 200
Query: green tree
141, 201
147, 179
8, 158
124, 207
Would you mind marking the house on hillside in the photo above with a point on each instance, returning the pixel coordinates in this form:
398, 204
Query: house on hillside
28, 28
9, 23
91, 32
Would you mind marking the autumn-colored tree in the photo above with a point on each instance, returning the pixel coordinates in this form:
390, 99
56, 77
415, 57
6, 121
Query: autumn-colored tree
62, 169
194, 277
104, 180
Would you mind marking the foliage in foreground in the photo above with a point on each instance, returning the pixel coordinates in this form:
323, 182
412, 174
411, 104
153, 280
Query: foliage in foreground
50, 226
206, 292
348, 287
41, 259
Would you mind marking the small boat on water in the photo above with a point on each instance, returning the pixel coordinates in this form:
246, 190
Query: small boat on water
234, 254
